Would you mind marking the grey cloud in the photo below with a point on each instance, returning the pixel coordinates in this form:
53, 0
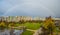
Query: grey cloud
32, 7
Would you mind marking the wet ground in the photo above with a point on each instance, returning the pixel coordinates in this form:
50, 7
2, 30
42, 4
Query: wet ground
7, 32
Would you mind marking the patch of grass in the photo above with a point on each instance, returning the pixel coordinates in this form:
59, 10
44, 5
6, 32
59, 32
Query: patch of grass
32, 26
17, 24
27, 33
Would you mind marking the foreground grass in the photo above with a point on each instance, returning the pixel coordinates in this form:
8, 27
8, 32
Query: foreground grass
27, 33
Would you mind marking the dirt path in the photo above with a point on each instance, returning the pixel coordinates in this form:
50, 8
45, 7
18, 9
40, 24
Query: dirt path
35, 31
31, 30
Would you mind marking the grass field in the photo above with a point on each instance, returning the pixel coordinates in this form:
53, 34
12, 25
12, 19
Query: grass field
27, 33
32, 26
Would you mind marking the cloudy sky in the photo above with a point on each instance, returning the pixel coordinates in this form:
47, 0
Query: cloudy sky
40, 8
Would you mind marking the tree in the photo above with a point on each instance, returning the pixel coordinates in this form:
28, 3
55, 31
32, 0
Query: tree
11, 25
2, 25
49, 25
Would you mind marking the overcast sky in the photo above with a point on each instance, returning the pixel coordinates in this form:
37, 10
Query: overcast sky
40, 8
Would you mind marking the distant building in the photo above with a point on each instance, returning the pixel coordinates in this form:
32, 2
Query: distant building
57, 23
24, 18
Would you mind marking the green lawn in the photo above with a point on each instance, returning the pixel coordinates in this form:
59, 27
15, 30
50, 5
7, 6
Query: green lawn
32, 26
17, 24
27, 33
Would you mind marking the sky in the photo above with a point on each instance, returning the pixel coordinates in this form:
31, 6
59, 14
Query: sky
40, 8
